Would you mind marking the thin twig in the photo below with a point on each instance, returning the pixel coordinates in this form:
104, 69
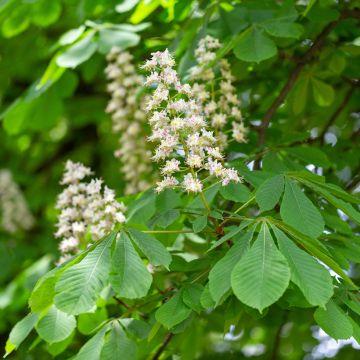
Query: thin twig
163, 346
304, 60
275, 349
337, 112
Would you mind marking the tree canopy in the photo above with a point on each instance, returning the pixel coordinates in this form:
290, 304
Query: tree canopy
179, 179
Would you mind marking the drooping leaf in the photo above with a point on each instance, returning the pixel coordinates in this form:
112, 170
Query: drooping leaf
92, 348
334, 321
88, 322
152, 248
20, 331
79, 286
312, 278
129, 277
173, 312
254, 46
55, 325
79, 52
269, 192
191, 296
235, 192
200, 223
43, 294
324, 94
118, 345
298, 211
262, 274
113, 37
220, 274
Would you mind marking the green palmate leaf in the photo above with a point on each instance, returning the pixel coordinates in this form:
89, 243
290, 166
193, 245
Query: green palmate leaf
173, 312
87, 323
55, 325
254, 46
191, 296
206, 299
235, 192
283, 29
312, 278
262, 274
282, 24
334, 321
20, 331
300, 95
167, 200
298, 211
113, 37
79, 52
118, 345
324, 94
92, 348
57, 348
72, 35
220, 274
129, 277
43, 294
315, 247
347, 208
310, 155
138, 328
269, 192
79, 286
153, 249
200, 223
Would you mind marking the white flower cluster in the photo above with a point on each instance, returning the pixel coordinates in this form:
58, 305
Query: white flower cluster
128, 117
186, 144
218, 98
15, 214
87, 209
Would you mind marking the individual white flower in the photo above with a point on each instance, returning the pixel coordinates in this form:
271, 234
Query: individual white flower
166, 182
170, 167
191, 184
239, 132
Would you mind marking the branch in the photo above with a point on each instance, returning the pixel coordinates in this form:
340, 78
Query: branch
163, 346
337, 112
275, 350
304, 60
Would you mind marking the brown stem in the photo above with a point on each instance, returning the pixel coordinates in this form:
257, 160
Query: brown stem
305, 59
337, 113
163, 346
277, 339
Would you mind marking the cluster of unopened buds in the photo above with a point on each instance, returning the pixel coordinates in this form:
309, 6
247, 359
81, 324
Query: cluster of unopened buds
128, 117
180, 126
14, 212
88, 210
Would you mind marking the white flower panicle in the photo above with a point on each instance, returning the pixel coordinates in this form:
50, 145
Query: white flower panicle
87, 210
14, 212
128, 117
217, 97
186, 143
